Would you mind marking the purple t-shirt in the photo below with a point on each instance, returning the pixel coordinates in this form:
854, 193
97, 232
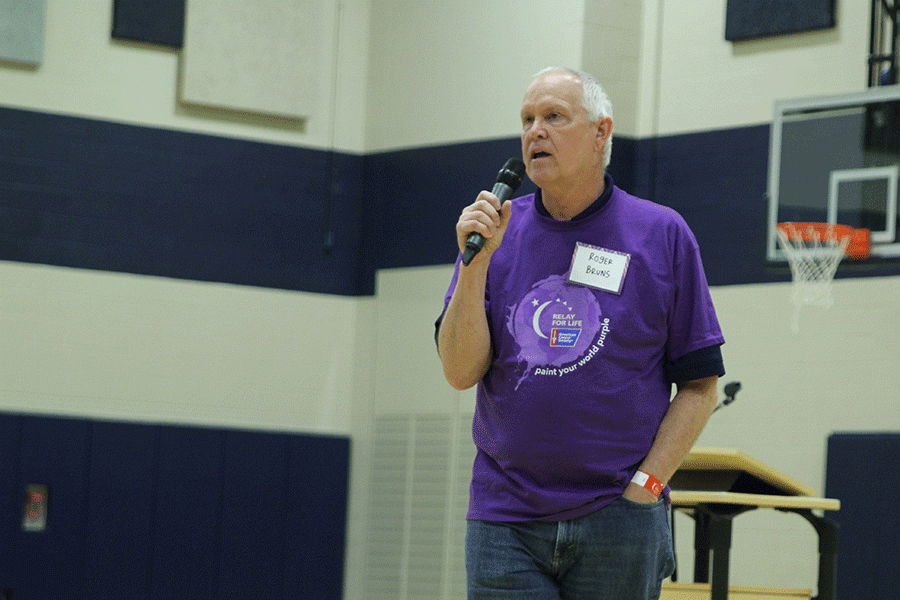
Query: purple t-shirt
577, 388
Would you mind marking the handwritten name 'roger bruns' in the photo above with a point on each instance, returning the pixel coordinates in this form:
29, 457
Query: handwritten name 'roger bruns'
595, 264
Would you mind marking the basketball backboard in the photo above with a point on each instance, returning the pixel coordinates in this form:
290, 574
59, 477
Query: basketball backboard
836, 160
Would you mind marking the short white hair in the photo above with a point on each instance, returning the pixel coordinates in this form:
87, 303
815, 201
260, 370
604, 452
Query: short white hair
593, 99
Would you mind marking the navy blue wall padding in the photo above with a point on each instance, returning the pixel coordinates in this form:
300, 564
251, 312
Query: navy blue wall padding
11, 495
315, 542
752, 19
154, 21
122, 511
257, 506
51, 564
166, 512
91, 194
191, 473
862, 473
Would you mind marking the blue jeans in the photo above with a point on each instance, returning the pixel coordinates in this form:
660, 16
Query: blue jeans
620, 552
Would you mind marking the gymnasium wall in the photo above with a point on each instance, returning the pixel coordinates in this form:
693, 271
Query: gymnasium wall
173, 265
190, 412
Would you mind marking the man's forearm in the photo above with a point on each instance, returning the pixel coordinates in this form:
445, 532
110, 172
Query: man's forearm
464, 340
684, 421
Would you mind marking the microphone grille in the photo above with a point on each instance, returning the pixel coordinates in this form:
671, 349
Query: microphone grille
511, 173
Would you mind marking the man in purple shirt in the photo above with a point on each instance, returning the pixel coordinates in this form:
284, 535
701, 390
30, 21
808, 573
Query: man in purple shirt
584, 307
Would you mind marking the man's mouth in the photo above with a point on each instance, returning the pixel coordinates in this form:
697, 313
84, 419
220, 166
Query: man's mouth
539, 154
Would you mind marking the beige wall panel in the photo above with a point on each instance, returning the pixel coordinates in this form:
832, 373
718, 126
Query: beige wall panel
22, 31
266, 56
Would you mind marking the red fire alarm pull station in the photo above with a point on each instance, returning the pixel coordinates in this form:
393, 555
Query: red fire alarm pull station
35, 516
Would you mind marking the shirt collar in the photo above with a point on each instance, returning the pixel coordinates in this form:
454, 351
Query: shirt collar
594, 207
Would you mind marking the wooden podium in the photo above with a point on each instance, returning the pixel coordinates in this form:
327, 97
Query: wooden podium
714, 485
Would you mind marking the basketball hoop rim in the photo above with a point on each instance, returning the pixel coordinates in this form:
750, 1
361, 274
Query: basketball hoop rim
858, 239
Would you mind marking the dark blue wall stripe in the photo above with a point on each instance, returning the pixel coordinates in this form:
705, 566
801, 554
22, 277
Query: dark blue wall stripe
420, 193
91, 194
717, 181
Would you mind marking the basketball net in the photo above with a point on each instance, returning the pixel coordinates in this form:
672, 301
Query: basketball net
813, 252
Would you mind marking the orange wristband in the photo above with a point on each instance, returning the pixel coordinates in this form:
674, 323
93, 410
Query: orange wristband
649, 482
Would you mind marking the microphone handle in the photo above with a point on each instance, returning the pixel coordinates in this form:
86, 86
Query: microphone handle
475, 241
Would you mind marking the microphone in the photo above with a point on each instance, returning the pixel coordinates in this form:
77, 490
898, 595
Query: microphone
508, 180
731, 390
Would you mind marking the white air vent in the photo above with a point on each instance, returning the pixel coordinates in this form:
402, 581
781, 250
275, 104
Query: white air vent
421, 466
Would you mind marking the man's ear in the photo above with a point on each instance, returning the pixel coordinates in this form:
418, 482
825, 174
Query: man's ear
604, 128
604, 131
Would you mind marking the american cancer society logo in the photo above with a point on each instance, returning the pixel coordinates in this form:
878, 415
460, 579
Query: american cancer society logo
564, 338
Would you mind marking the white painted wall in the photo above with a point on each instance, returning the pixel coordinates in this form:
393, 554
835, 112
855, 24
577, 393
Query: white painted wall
613, 52
443, 72
706, 82
429, 72
126, 347
86, 73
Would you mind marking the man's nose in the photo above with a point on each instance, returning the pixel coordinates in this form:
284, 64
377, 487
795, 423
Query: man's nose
536, 130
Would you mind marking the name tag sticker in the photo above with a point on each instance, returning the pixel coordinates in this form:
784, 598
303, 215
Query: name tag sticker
598, 268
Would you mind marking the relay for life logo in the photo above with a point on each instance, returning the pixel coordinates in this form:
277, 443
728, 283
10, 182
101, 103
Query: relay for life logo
556, 326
